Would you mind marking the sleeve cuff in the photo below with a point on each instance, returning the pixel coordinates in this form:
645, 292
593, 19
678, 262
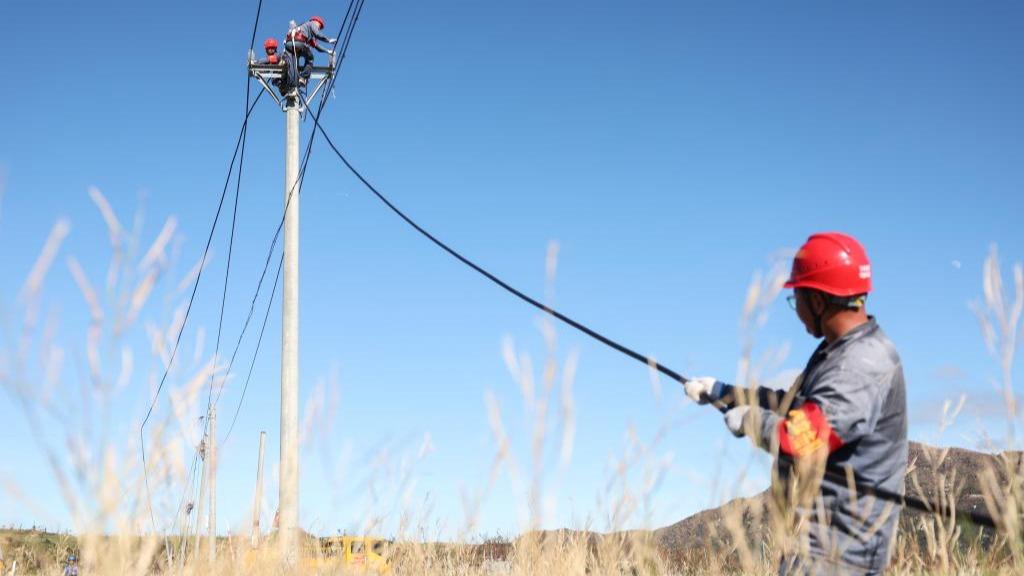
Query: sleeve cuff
718, 390
769, 426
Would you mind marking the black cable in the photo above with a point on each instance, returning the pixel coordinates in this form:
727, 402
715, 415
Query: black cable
345, 31
206, 250
227, 268
188, 310
188, 484
295, 188
834, 472
348, 36
649, 361
259, 341
256, 24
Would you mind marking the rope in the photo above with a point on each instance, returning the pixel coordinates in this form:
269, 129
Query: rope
345, 32
649, 361
188, 311
833, 472
259, 341
202, 265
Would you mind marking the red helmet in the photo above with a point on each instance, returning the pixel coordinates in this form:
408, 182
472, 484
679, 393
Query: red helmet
270, 45
318, 20
834, 263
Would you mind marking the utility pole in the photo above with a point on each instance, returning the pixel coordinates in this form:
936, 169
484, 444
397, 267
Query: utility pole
212, 528
258, 498
292, 102
288, 497
202, 494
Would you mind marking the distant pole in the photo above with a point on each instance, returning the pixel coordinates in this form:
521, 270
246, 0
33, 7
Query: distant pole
258, 498
202, 494
288, 499
212, 534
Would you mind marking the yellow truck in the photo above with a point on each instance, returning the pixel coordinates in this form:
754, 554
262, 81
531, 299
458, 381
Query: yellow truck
358, 553
340, 554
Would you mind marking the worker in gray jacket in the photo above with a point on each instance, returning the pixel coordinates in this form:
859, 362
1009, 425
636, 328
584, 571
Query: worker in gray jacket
843, 422
300, 42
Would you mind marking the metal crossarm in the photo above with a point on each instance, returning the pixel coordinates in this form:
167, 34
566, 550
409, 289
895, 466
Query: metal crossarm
268, 74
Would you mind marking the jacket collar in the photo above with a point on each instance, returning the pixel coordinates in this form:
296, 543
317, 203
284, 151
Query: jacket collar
869, 327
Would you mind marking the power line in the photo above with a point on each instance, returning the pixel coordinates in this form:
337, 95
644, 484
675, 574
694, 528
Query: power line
227, 268
837, 473
202, 265
270, 301
345, 31
498, 281
188, 310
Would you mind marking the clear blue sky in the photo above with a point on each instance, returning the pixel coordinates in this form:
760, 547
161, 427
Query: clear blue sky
670, 148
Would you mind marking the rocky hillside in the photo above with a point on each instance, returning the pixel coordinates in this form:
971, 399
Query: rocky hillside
935, 474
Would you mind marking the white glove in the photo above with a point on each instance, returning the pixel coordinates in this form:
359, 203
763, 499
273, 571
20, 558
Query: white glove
699, 388
330, 52
735, 420
332, 40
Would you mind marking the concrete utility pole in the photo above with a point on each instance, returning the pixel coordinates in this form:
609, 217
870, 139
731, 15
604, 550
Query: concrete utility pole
289, 494
202, 494
212, 528
292, 103
258, 498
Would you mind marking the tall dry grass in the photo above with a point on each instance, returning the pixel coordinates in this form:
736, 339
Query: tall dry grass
103, 485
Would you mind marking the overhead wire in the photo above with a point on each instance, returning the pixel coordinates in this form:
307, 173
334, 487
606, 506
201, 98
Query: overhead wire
345, 31
227, 268
259, 341
206, 250
355, 7
648, 360
837, 473
188, 311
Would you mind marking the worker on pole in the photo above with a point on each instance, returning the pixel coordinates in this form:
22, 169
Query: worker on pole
273, 58
270, 48
300, 42
843, 422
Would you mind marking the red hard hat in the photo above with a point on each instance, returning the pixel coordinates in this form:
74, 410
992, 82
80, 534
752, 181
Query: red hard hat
318, 20
834, 263
270, 44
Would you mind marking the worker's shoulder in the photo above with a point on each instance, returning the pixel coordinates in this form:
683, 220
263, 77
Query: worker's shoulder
871, 353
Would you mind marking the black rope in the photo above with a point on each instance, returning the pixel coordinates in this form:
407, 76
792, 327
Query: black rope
202, 265
649, 361
259, 341
227, 268
833, 472
188, 310
838, 474
345, 32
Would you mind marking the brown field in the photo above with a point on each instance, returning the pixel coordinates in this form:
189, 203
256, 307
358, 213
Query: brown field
106, 492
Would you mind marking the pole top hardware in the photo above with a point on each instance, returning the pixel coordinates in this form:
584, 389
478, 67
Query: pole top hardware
272, 75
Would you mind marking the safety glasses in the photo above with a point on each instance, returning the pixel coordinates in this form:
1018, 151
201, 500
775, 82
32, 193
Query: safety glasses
791, 299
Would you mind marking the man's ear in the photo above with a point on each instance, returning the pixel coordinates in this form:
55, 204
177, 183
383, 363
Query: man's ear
817, 302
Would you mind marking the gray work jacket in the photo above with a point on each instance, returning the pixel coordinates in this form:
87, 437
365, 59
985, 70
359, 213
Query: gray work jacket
857, 382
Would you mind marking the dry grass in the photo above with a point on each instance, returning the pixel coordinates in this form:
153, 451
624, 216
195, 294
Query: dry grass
103, 488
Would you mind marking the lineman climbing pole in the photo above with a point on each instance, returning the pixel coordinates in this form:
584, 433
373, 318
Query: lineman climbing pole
293, 104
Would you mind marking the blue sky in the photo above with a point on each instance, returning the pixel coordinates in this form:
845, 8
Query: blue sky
669, 148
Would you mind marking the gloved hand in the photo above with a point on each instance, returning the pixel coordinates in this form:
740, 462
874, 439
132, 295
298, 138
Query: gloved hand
700, 389
330, 52
735, 420
332, 40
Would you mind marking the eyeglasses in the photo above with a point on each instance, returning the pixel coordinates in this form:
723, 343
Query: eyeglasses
791, 299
